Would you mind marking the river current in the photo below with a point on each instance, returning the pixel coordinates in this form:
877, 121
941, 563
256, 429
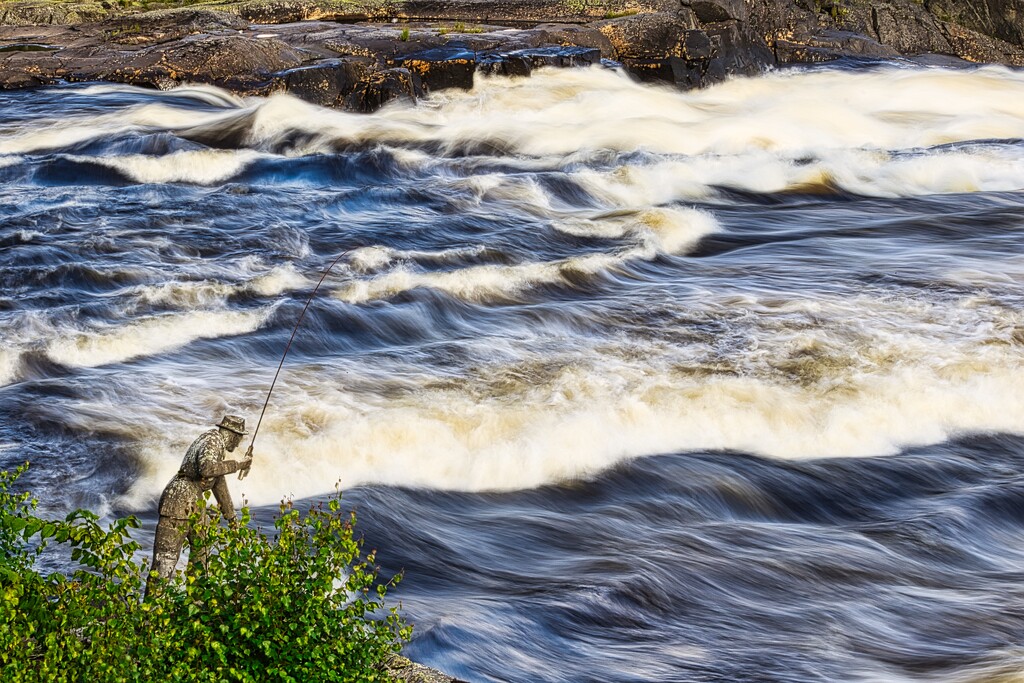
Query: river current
633, 384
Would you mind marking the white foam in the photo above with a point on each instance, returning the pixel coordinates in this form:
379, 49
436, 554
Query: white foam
971, 170
191, 294
786, 130
27, 236
584, 422
278, 280
476, 283
10, 362
559, 112
869, 173
369, 259
787, 374
182, 294
825, 377
202, 167
206, 94
20, 332
53, 137
375, 257
151, 336
54, 134
671, 230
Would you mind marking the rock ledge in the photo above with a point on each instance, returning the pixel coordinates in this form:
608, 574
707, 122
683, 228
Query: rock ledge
360, 54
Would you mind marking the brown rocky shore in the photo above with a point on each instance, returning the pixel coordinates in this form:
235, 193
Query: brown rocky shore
359, 54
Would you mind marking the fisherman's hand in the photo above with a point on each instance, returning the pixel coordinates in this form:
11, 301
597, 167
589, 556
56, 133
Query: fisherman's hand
245, 463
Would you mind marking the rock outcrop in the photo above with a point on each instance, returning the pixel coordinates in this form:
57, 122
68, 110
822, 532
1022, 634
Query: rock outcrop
360, 54
411, 672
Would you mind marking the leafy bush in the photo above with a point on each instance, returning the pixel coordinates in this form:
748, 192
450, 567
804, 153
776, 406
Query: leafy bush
304, 605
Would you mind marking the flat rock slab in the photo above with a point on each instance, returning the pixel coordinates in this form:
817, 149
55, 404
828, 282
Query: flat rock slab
350, 66
360, 54
357, 66
410, 672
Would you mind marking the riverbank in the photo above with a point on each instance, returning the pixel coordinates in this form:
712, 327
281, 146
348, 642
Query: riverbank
359, 54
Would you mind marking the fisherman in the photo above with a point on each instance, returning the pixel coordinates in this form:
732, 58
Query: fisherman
202, 470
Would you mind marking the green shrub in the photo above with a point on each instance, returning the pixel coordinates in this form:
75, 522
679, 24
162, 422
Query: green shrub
302, 605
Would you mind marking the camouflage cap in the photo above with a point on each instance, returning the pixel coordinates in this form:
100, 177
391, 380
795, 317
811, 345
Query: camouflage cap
233, 423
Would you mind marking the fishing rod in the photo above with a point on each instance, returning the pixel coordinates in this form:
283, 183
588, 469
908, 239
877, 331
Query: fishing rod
242, 474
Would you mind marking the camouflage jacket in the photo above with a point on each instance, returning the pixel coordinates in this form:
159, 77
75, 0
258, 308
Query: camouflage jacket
202, 470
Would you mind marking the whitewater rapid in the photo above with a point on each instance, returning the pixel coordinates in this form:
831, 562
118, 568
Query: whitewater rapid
588, 270
891, 132
630, 384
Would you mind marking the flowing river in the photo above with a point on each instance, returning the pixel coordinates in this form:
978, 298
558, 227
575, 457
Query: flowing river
633, 384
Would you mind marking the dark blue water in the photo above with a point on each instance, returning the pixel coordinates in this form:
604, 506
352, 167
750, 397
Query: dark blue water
631, 384
723, 566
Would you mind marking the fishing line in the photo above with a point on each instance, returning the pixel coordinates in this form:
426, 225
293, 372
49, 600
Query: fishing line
243, 473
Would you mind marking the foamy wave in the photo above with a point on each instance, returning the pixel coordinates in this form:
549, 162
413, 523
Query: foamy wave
839, 377
207, 94
787, 111
946, 172
868, 173
784, 131
464, 445
151, 336
477, 283
664, 229
280, 279
184, 294
64, 132
585, 418
661, 230
202, 167
10, 361
21, 333
560, 112
369, 259
788, 131
53, 136
373, 258
191, 294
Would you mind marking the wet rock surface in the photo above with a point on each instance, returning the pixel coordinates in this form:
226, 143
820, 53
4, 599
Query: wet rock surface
821, 30
361, 54
411, 672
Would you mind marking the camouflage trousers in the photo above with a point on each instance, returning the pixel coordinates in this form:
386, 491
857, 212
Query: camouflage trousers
171, 534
